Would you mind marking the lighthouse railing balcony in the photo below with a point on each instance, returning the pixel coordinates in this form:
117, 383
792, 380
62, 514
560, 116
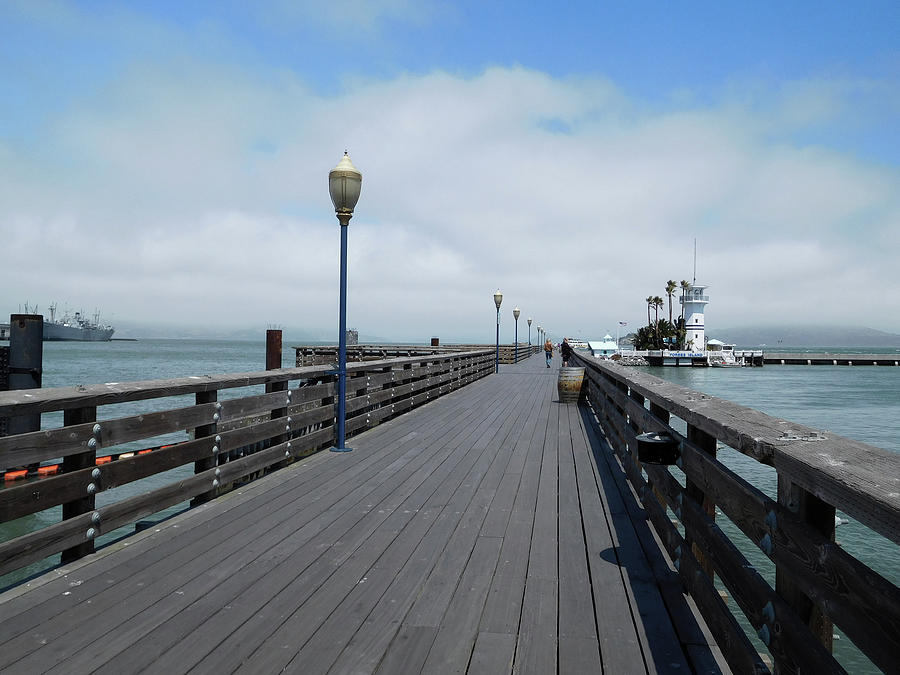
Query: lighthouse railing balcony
693, 298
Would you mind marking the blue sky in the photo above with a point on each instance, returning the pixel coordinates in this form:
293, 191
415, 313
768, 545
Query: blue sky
165, 161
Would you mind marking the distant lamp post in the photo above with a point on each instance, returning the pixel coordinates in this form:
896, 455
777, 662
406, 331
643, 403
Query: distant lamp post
529, 331
498, 298
516, 313
344, 184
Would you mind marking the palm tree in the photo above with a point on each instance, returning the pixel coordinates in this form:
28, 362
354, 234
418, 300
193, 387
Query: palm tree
670, 290
667, 331
649, 302
657, 304
643, 338
685, 287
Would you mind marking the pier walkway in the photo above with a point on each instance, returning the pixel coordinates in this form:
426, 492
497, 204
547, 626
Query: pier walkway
489, 531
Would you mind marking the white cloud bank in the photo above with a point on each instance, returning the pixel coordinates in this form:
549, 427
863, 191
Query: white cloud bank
198, 195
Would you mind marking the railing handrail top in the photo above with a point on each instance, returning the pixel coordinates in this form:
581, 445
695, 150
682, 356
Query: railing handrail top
364, 365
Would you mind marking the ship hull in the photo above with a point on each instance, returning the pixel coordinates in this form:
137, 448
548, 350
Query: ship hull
56, 332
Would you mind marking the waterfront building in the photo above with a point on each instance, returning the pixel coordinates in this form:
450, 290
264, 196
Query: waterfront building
603, 348
694, 301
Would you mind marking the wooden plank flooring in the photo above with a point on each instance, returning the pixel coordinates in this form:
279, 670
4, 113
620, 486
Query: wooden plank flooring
490, 531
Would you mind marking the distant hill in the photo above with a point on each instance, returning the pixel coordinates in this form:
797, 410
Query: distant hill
806, 336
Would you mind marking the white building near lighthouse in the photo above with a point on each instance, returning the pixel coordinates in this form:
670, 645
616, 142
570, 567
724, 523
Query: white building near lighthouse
694, 302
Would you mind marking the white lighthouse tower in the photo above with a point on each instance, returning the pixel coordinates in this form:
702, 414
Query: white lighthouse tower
694, 302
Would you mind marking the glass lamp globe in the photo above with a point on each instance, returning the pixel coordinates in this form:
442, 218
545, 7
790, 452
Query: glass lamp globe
344, 184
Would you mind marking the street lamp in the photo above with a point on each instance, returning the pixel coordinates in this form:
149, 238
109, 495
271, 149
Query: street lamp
498, 298
529, 333
344, 183
516, 313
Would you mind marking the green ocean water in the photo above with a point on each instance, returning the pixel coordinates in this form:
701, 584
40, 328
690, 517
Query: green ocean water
861, 402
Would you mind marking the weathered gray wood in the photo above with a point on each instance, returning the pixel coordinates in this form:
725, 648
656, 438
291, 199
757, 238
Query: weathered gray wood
576, 605
861, 480
658, 640
54, 443
617, 636
84, 503
455, 639
493, 654
266, 659
241, 421
839, 473
536, 649
169, 579
819, 517
434, 477
868, 605
330, 563
23, 499
503, 607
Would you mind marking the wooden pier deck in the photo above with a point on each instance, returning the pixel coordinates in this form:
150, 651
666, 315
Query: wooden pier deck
490, 531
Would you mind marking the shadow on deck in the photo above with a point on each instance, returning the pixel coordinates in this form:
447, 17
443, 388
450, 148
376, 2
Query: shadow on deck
468, 535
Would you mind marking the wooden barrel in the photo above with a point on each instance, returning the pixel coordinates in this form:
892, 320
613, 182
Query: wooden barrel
569, 384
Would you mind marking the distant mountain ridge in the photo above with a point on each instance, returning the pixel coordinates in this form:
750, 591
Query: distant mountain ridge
806, 336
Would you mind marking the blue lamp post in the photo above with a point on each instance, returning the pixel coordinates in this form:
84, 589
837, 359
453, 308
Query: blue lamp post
498, 298
344, 184
529, 332
516, 313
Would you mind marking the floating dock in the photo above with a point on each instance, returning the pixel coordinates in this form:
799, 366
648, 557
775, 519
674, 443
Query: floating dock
828, 359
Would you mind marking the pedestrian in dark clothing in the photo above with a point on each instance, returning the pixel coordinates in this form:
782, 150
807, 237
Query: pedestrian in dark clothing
566, 351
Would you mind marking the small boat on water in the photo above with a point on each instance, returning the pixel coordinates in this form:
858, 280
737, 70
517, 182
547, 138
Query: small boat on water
721, 355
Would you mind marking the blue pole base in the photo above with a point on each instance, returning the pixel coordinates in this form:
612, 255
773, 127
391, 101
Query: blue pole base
337, 449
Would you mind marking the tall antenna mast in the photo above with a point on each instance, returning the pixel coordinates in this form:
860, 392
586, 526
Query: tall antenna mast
695, 262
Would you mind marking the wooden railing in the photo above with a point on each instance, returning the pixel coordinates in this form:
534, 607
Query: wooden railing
310, 355
818, 584
233, 436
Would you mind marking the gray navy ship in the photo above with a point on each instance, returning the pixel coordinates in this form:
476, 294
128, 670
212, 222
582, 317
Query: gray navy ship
76, 327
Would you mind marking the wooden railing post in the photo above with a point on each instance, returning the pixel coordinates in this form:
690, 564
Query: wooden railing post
212, 460
26, 359
635, 427
706, 443
273, 362
4, 382
663, 416
82, 460
820, 516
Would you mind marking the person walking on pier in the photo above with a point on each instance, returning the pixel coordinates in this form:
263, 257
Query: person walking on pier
548, 351
566, 350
